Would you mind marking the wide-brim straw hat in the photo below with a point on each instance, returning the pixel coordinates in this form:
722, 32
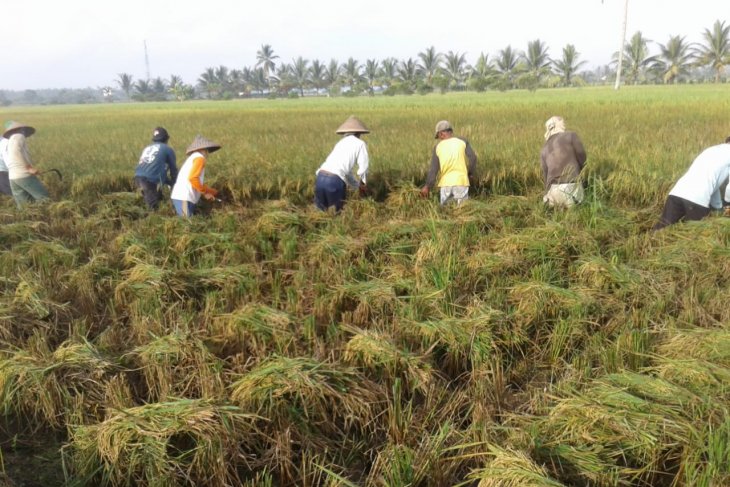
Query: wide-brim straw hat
16, 127
353, 125
201, 143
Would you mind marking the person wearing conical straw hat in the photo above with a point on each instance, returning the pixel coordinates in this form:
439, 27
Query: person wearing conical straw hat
157, 160
698, 190
562, 159
24, 184
190, 185
453, 163
336, 173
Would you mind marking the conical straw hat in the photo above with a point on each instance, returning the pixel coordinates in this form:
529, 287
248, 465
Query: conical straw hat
16, 127
353, 125
200, 143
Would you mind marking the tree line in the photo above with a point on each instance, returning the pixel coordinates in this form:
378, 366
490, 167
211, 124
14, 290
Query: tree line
676, 61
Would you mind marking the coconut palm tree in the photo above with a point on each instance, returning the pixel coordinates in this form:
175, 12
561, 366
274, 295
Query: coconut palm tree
351, 72
408, 73
568, 65
507, 64
317, 73
125, 82
208, 82
332, 72
537, 60
223, 77
674, 59
372, 71
389, 70
636, 58
142, 90
300, 73
265, 59
715, 52
430, 63
455, 67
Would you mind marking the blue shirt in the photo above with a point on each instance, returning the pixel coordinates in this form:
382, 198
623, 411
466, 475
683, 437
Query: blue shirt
155, 161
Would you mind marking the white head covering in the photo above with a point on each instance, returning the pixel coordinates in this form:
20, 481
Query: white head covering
553, 126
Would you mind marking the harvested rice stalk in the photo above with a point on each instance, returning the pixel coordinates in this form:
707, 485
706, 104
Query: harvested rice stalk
179, 365
377, 352
324, 396
180, 442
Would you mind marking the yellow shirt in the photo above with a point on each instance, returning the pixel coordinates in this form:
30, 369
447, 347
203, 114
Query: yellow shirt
451, 154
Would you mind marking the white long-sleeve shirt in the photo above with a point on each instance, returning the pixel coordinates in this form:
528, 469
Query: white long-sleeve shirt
17, 158
3, 150
348, 152
701, 183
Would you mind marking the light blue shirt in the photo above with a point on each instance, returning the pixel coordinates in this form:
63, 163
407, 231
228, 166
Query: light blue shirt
701, 183
3, 149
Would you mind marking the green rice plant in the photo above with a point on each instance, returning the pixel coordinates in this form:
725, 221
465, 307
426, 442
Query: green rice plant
426, 462
271, 223
255, 328
178, 365
702, 377
328, 251
461, 342
318, 396
712, 345
28, 390
362, 302
92, 186
512, 468
536, 302
377, 352
38, 385
708, 461
144, 282
180, 442
231, 281
597, 273
31, 296
12, 233
641, 423
91, 284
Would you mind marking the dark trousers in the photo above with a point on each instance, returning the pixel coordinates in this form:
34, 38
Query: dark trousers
329, 190
151, 192
679, 209
5, 184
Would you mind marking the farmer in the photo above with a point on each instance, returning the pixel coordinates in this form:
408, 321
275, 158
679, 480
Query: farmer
4, 180
335, 174
24, 184
189, 185
156, 161
698, 189
562, 159
454, 162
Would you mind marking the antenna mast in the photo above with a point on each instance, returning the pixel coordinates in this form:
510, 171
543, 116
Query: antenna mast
146, 60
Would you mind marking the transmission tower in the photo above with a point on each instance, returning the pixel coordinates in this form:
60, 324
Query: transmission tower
146, 60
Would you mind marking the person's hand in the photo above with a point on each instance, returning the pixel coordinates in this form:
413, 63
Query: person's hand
32, 170
209, 196
425, 191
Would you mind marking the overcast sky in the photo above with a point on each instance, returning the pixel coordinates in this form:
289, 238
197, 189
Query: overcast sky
82, 43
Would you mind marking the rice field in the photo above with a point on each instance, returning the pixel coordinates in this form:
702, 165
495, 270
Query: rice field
395, 344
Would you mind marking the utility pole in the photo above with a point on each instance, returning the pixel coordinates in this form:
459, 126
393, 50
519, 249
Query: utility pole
621, 49
146, 60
